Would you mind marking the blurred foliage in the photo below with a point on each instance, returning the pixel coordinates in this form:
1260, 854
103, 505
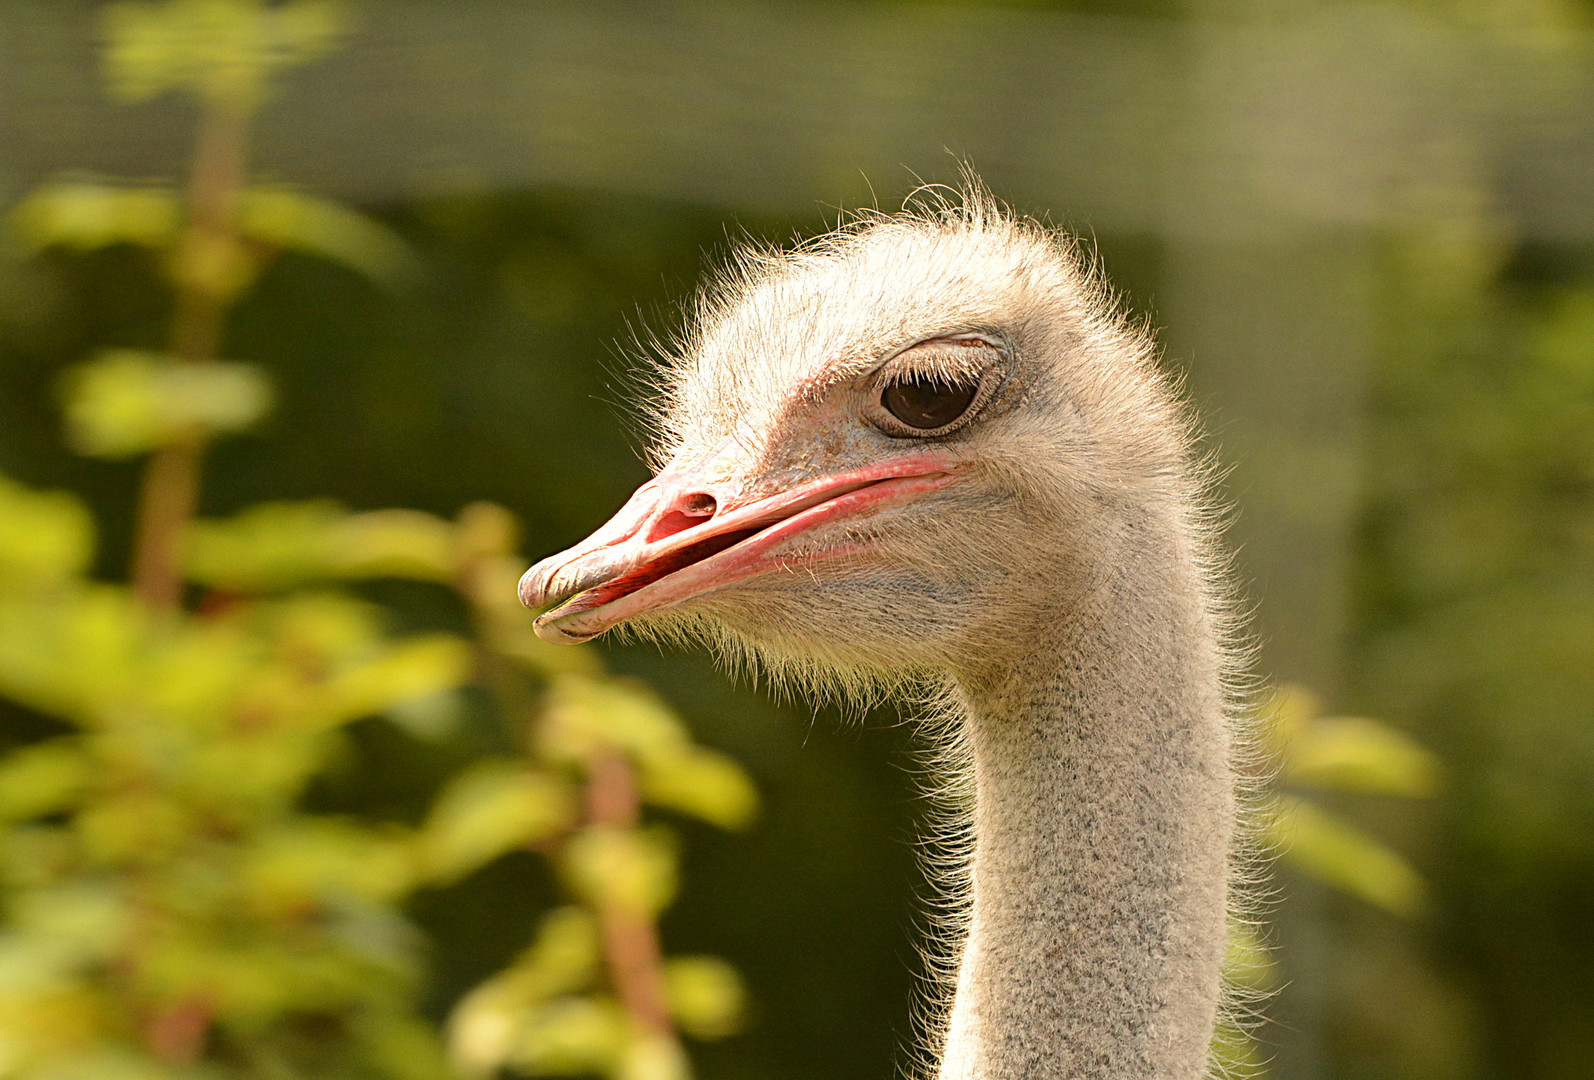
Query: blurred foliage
173, 906
1326, 755
1477, 628
1342, 754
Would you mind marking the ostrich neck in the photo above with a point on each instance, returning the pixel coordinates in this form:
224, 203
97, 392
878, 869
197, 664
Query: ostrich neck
1103, 817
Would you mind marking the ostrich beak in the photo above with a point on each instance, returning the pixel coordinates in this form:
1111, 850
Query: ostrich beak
682, 535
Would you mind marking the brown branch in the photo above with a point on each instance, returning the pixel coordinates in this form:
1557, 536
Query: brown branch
170, 492
630, 941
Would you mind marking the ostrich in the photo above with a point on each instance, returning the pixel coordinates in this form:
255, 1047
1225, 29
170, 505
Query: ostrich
927, 453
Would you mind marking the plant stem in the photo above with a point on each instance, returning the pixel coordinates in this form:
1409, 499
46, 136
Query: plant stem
170, 491
630, 941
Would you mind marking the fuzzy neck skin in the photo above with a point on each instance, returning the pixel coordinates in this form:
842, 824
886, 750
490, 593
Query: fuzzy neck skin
1104, 814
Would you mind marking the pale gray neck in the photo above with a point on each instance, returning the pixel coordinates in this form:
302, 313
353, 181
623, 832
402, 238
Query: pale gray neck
1103, 821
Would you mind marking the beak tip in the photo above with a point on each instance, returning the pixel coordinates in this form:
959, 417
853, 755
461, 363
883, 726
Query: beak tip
531, 586
550, 631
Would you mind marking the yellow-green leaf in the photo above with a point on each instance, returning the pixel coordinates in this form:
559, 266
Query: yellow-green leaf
1355, 754
587, 716
633, 870
706, 996
570, 1036
281, 545
484, 1027
703, 783
43, 779
127, 402
1340, 855
222, 50
295, 866
417, 668
490, 809
45, 536
289, 219
652, 1056
85, 215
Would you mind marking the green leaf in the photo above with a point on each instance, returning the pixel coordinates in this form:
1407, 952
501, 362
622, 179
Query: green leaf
483, 1027
128, 402
570, 1036
280, 545
1355, 754
633, 870
401, 1047
492, 808
587, 716
1246, 959
45, 537
223, 50
74, 655
652, 1056
288, 219
314, 862
87, 918
416, 668
85, 215
702, 783
1344, 857
706, 996
43, 779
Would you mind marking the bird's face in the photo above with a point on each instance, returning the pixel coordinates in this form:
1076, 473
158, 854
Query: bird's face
863, 497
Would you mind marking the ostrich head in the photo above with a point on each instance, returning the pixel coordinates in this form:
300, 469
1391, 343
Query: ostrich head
896, 449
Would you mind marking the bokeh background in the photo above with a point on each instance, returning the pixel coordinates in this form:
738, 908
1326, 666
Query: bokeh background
1364, 231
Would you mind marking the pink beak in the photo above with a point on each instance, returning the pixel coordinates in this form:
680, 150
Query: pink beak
686, 532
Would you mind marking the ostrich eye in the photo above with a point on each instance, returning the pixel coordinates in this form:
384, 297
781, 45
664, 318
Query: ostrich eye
925, 403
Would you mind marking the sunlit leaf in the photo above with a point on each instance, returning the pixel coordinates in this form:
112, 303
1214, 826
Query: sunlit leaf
43, 779
587, 716
1340, 855
88, 918
45, 536
417, 668
116, 1062
1236, 1056
213, 262
483, 1027
75, 655
289, 219
84, 215
401, 1047
223, 50
706, 996
487, 810
1354, 754
135, 826
652, 1056
702, 783
279, 545
1246, 959
432, 718
310, 863
34, 855
570, 1036
127, 402
633, 870
377, 933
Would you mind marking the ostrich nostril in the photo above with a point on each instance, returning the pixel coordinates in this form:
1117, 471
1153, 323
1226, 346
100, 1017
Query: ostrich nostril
684, 514
700, 505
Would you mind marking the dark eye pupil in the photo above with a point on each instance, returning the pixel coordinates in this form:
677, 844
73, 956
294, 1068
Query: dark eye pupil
924, 403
